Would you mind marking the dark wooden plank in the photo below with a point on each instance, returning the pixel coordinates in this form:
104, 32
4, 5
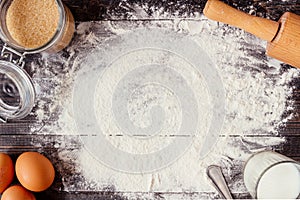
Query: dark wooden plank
87, 10
110, 195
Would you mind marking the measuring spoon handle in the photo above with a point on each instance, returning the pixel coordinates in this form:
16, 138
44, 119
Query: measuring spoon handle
215, 174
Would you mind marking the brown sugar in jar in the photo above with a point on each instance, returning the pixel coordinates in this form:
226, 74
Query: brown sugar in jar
32, 23
34, 26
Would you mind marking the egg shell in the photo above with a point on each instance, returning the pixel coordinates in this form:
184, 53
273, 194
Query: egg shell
17, 192
6, 171
34, 171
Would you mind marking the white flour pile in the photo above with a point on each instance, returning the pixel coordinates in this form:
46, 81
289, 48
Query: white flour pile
257, 92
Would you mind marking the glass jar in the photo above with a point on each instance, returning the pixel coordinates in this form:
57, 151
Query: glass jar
13, 78
61, 39
270, 175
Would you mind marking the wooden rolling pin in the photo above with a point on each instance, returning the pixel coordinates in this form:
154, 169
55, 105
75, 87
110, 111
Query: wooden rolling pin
283, 36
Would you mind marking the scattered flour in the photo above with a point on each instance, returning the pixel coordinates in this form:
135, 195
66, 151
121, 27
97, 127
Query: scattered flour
257, 92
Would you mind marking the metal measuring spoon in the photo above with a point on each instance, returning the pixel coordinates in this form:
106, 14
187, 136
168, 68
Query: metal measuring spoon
215, 174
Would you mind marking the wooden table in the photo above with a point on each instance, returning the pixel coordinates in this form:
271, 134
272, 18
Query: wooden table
14, 136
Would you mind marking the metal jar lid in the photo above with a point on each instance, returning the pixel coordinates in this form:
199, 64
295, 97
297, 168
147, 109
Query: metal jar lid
14, 82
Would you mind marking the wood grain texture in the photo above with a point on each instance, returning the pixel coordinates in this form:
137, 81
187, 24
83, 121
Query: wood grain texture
14, 137
285, 46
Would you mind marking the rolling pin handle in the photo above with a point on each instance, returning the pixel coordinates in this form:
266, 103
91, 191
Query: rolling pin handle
263, 28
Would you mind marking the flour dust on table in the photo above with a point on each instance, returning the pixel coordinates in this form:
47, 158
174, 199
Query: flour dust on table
149, 105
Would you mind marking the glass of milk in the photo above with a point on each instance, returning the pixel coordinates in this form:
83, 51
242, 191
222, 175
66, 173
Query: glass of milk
270, 175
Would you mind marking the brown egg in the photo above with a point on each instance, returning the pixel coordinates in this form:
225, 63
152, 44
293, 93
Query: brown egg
34, 171
17, 192
6, 171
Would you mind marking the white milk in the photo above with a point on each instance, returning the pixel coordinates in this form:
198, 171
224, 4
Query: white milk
280, 182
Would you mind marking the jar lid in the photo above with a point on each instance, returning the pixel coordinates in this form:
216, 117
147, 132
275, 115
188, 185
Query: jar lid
17, 94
